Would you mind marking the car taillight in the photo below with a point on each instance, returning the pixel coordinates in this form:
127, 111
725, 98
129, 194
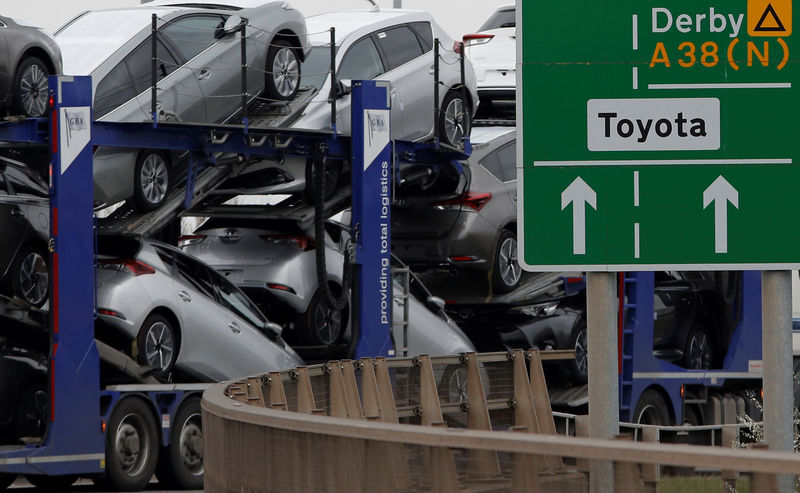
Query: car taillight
473, 200
281, 287
477, 39
187, 240
463, 258
302, 242
131, 266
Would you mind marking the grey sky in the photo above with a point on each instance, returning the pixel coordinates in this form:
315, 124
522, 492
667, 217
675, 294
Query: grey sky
457, 17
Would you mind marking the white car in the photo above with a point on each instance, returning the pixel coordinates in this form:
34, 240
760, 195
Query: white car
492, 51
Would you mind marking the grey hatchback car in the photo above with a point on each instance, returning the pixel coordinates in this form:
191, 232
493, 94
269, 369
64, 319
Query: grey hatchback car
177, 313
469, 222
198, 75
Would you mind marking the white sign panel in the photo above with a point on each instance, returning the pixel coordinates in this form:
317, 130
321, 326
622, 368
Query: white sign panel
657, 124
74, 133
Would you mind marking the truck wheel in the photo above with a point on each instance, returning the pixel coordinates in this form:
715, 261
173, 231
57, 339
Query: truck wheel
52, 483
6, 480
131, 446
651, 409
181, 466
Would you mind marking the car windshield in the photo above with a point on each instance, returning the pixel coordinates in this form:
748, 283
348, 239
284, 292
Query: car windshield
501, 18
317, 66
91, 38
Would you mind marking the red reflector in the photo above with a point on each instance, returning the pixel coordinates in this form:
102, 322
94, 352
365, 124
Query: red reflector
112, 313
53, 383
573, 280
132, 266
472, 200
464, 258
281, 287
51, 100
53, 132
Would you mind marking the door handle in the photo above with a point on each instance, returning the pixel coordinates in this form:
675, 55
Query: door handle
185, 296
204, 74
235, 328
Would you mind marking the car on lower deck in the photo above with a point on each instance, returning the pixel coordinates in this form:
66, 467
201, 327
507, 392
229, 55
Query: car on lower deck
172, 312
469, 220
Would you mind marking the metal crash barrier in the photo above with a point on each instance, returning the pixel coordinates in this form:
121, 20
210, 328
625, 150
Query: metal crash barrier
474, 423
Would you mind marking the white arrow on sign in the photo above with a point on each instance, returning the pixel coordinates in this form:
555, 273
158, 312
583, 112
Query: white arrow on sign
579, 194
720, 192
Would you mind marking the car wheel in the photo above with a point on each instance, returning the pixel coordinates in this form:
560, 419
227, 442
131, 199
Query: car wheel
33, 413
131, 446
181, 466
332, 175
150, 180
455, 119
30, 87
323, 324
283, 71
579, 367
453, 386
158, 344
506, 272
651, 409
6, 480
698, 353
52, 483
30, 277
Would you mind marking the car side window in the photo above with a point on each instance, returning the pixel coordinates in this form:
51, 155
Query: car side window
23, 184
193, 34
507, 155
237, 302
195, 274
361, 62
400, 45
423, 30
115, 89
140, 64
492, 164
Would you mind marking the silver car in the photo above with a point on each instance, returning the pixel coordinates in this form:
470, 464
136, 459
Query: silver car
198, 74
27, 56
392, 45
180, 315
473, 223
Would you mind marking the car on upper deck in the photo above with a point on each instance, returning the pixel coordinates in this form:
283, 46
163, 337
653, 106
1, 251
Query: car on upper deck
28, 55
198, 72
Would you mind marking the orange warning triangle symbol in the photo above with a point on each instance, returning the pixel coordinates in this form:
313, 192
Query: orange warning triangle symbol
774, 24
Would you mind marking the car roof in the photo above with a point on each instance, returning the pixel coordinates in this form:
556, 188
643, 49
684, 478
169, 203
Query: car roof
483, 135
358, 22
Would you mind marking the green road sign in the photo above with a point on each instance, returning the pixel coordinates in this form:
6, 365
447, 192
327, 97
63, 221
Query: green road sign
658, 135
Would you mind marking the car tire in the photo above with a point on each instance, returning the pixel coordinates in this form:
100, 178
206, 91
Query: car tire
33, 412
323, 325
333, 173
6, 480
651, 409
455, 119
131, 446
579, 367
158, 344
150, 180
30, 88
506, 272
282, 71
52, 483
181, 465
698, 354
30, 275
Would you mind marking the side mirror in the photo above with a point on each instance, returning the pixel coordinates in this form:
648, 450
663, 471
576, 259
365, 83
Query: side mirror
343, 88
233, 24
436, 301
273, 330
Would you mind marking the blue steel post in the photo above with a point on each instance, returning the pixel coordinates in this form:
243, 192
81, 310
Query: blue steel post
74, 438
372, 175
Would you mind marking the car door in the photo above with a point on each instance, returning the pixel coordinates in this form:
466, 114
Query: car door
249, 350
13, 224
125, 92
204, 331
409, 71
214, 60
361, 61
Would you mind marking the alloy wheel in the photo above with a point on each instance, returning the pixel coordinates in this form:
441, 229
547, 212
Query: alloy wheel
581, 353
327, 323
455, 119
34, 90
699, 351
33, 278
510, 271
159, 346
154, 178
286, 72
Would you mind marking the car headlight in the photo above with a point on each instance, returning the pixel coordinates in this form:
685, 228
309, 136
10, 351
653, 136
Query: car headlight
539, 309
